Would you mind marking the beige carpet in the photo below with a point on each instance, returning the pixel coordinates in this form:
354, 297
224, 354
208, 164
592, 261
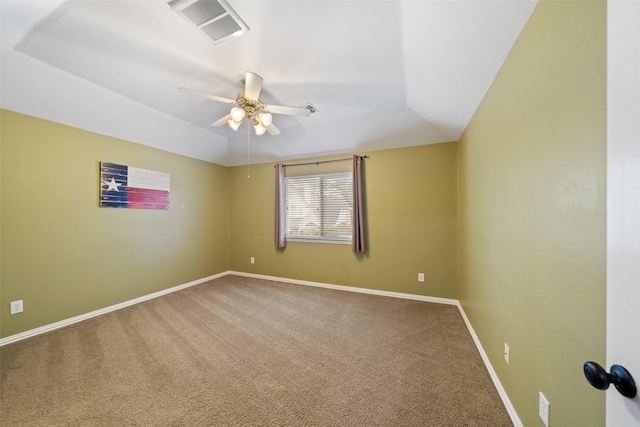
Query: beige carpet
245, 352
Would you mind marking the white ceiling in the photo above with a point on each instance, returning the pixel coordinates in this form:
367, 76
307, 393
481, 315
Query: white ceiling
383, 74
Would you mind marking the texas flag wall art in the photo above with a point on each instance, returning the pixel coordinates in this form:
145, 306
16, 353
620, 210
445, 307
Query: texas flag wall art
131, 187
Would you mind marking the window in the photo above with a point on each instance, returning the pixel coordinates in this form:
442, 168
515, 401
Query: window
319, 208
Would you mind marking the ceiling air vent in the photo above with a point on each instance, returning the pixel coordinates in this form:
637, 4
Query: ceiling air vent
213, 18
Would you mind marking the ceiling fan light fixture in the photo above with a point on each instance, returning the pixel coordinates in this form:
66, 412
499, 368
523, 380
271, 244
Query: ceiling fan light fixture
237, 114
265, 118
259, 127
233, 124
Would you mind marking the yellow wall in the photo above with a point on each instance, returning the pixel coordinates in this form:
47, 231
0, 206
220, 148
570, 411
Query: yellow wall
411, 225
65, 256
532, 206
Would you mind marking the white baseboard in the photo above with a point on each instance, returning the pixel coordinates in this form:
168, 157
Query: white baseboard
349, 288
503, 395
46, 328
494, 376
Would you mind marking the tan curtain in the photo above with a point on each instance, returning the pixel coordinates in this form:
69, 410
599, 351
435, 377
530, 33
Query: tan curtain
280, 237
358, 243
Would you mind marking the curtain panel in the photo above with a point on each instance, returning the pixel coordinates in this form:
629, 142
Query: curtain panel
280, 237
358, 243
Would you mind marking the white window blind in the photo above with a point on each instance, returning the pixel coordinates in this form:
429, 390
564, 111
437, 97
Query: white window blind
319, 207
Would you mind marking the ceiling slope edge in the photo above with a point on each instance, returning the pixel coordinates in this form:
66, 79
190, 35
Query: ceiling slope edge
402, 127
34, 88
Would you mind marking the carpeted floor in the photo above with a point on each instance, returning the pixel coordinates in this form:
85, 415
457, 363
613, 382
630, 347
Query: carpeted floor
246, 352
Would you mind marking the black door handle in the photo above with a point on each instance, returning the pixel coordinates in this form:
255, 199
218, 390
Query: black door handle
618, 376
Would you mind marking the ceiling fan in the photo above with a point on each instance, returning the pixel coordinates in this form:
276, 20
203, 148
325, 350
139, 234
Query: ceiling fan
249, 105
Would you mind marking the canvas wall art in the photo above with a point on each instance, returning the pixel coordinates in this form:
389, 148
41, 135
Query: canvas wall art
131, 187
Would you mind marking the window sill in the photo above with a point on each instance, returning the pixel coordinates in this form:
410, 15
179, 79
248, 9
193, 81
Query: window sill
312, 240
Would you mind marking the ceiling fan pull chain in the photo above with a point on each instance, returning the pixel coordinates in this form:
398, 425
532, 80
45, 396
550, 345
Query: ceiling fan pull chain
248, 152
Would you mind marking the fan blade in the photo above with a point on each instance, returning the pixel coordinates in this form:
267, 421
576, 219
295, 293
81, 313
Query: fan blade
252, 86
207, 95
273, 130
221, 122
290, 111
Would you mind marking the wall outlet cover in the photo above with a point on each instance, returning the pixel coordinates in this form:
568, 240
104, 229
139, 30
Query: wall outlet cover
506, 353
17, 307
544, 409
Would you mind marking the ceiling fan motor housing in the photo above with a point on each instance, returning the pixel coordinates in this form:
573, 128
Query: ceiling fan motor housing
251, 107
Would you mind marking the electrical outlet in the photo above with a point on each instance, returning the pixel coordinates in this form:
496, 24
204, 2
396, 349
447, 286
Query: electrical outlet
506, 353
17, 307
420, 277
543, 410
253, 260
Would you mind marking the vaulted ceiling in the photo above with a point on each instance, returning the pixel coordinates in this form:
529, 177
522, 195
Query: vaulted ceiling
382, 74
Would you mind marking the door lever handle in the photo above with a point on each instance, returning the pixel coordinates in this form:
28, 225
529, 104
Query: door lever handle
618, 376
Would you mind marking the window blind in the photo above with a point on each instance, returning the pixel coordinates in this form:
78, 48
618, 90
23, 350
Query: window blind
319, 207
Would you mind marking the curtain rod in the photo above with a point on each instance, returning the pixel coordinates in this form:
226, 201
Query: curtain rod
324, 161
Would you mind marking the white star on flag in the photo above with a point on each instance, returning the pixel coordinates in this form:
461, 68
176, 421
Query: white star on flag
113, 185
